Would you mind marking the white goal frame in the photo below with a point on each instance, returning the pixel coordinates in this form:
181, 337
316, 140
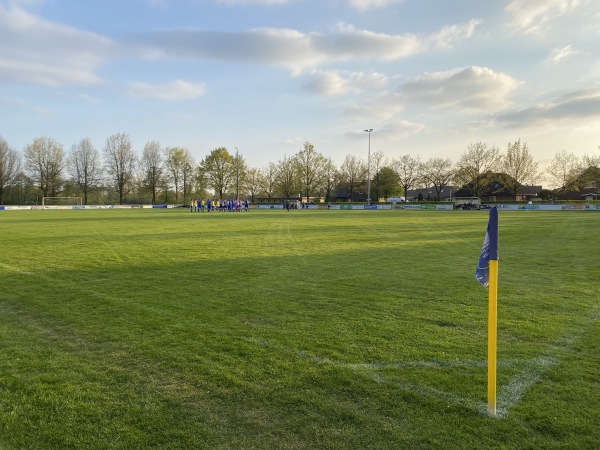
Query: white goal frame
74, 202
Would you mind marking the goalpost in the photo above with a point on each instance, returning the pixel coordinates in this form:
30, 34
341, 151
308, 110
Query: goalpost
61, 202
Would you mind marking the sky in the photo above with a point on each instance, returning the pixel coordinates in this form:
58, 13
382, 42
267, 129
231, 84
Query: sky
429, 77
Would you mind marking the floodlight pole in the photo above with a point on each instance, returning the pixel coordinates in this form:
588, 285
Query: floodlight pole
237, 175
369, 169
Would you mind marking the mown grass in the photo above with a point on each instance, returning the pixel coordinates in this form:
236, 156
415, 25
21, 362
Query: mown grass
302, 329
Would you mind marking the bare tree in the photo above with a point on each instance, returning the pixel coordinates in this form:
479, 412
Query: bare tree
254, 182
564, 170
152, 168
187, 175
311, 169
269, 175
44, 162
201, 183
438, 172
241, 173
476, 167
287, 178
331, 177
353, 172
83, 164
519, 167
408, 169
175, 161
10, 163
378, 161
591, 160
120, 161
180, 164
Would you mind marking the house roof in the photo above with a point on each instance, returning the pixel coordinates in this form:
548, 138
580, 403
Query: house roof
430, 191
498, 188
584, 186
529, 190
590, 172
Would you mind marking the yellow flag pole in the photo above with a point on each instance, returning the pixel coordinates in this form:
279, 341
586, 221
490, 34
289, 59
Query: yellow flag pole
492, 336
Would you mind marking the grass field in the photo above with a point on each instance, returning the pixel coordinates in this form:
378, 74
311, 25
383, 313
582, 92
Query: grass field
294, 330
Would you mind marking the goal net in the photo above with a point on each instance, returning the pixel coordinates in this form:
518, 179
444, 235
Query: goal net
61, 202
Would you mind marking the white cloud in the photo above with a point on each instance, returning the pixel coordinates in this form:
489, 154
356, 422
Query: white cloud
166, 3
558, 54
264, 46
470, 89
293, 49
17, 104
450, 34
333, 82
26, 3
294, 142
346, 42
45, 74
533, 16
177, 90
394, 131
364, 5
399, 130
361, 5
34, 50
381, 106
40, 52
577, 106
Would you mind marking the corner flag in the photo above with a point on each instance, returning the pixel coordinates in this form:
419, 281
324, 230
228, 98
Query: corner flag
489, 252
487, 274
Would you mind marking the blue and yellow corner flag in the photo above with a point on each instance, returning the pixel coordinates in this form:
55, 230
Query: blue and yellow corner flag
487, 274
489, 252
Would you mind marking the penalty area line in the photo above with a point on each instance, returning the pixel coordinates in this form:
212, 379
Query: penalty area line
512, 393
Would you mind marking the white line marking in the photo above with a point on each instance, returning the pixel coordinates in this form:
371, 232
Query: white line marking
15, 269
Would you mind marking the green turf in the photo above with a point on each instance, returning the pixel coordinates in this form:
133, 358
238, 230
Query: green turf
294, 330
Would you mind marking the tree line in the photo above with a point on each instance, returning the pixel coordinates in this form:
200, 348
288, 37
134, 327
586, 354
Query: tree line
118, 174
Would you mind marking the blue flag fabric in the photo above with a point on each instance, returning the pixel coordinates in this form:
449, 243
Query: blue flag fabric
489, 250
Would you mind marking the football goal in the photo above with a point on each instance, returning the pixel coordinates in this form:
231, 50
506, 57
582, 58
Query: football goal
61, 202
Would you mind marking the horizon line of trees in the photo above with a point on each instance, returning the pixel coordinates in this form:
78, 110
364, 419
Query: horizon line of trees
117, 174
